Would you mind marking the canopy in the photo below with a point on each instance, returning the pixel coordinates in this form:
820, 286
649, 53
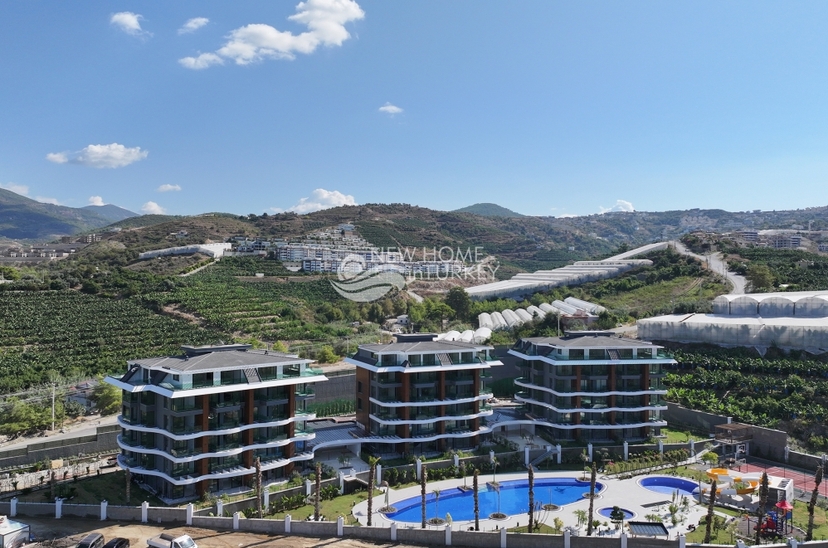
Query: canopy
784, 505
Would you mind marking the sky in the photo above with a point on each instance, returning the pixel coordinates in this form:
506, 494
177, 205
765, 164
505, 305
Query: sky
545, 107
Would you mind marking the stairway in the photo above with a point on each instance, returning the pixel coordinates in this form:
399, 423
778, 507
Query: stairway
252, 375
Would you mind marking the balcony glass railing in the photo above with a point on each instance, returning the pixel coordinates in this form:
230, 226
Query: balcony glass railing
186, 452
181, 430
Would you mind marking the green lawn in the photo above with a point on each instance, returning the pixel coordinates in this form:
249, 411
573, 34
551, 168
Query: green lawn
544, 529
680, 436
331, 509
94, 489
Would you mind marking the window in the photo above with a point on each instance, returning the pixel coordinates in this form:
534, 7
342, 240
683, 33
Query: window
359, 387
359, 404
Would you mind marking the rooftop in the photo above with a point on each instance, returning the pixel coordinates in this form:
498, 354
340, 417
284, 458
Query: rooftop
209, 358
589, 339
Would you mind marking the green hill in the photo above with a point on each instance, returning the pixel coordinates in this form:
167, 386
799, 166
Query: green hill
488, 210
22, 218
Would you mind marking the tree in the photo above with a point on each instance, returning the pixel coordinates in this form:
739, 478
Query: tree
327, 355
317, 494
459, 301
436, 503
809, 534
531, 498
106, 398
423, 481
759, 278
494, 469
593, 473
475, 481
259, 487
617, 516
763, 502
372, 473
710, 508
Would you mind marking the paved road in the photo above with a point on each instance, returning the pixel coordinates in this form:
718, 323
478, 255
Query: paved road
88, 427
717, 265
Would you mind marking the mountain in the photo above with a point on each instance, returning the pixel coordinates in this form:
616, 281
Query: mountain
488, 210
22, 218
111, 212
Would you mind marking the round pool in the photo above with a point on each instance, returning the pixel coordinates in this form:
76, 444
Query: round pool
607, 513
513, 499
669, 485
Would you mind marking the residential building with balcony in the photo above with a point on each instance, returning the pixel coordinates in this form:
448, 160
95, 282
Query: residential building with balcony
423, 395
197, 422
593, 386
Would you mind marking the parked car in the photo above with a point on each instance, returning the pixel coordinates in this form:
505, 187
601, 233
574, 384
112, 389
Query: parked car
92, 540
166, 540
117, 542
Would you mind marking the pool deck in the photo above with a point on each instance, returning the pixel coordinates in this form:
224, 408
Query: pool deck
627, 494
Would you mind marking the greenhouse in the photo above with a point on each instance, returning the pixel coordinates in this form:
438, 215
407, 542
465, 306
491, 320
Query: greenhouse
787, 320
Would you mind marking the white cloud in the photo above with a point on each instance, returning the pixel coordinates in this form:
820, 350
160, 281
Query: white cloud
193, 25
57, 157
151, 208
46, 200
96, 201
129, 22
620, 205
203, 61
388, 108
325, 20
320, 199
100, 156
168, 188
23, 190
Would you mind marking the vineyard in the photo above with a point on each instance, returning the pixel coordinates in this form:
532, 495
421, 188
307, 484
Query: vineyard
268, 311
71, 334
779, 392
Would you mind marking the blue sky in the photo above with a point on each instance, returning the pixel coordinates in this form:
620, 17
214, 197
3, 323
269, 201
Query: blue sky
548, 108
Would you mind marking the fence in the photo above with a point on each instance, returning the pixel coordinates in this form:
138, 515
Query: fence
329, 529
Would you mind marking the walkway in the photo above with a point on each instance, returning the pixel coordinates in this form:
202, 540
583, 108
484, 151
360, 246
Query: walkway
626, 494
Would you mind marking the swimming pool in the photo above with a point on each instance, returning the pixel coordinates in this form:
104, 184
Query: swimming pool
669, 485
607, 513
514, 499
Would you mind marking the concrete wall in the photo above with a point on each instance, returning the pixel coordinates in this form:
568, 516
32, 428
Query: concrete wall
770, 444
340, 387
103, 440
695, 421
428, 537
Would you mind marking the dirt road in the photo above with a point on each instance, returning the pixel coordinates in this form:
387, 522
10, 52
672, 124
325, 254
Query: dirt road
74, 529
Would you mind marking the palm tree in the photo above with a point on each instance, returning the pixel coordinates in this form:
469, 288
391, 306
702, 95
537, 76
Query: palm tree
763, 502
594, 472
423, 480
259, 487
809, 534
494, 469
581, 516
436, 503
476, 501
372, 472
710, 515
531, 498
317, 494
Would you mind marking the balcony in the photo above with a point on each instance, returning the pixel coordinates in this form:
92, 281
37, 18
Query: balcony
270, 438
271, 417
305, 393
219, 447
183, 430
180, 406
186, 452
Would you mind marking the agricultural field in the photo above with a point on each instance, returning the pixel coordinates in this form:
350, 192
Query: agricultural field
73, 334
785, 392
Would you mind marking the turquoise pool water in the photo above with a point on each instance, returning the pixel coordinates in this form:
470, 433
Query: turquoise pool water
668, 485
514, 499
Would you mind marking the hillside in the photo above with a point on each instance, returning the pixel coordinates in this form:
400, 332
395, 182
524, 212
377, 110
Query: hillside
111, 212
22, 218
488, 210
